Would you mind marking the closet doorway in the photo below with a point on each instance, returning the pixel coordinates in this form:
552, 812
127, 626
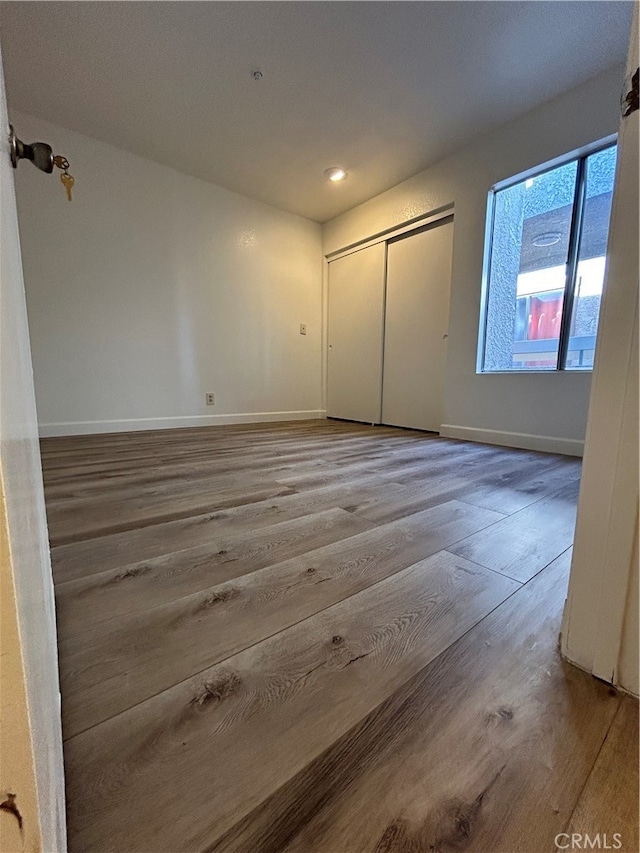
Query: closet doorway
388, 324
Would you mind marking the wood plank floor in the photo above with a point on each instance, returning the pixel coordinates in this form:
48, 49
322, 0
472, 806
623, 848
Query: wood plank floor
321, 636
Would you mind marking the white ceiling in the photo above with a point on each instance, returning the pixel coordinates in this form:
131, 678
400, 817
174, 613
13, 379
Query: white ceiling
383, 89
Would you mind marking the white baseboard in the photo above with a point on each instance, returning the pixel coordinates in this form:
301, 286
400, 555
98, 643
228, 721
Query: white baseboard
527, 441
136, 424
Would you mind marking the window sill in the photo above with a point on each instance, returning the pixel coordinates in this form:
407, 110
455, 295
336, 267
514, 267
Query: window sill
551, 372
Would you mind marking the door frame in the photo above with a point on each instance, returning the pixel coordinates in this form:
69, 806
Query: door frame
602, 567
32, 758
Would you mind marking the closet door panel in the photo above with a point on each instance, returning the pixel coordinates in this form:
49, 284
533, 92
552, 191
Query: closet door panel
355, 326
416, 325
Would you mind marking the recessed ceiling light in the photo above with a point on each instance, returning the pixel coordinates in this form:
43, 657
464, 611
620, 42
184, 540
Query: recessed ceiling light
335, 174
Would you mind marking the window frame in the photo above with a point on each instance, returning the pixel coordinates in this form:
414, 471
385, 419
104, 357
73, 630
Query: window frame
579, 156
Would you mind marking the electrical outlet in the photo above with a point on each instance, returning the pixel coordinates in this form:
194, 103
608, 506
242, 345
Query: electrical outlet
210, 398
303, 328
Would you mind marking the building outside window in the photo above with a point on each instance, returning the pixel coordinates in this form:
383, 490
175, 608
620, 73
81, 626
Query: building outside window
546, 265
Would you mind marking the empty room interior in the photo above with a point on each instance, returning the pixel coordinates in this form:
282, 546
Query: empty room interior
319, 427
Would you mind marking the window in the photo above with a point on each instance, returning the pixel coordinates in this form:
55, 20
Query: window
546, 265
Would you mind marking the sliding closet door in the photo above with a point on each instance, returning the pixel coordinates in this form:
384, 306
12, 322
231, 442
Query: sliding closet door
356, 309
417, 319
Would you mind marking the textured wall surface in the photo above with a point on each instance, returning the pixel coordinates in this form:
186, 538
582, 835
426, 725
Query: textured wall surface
152, 288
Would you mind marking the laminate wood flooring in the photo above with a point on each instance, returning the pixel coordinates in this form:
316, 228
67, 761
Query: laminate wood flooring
322, 636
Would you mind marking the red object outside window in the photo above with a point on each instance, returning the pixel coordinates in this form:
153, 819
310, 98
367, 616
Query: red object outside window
544, 318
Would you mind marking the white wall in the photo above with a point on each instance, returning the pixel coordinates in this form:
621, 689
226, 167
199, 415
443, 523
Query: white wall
31, 737
540, 411
152, 288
